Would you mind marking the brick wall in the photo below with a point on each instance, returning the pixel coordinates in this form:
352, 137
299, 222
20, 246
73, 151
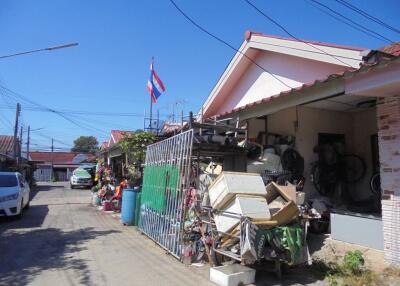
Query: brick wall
388, 113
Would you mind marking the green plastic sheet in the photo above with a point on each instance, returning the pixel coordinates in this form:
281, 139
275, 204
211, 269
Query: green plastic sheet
159, 183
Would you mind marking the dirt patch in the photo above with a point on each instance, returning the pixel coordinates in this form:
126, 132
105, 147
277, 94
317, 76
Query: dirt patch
323, 248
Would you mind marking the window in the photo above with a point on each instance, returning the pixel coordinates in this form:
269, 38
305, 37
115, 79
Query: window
7, 181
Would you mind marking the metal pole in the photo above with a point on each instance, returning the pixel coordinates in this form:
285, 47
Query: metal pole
190, 119
158, 120
52, 150
151, 99
144, 120
190, 123
27, 143
20, 146
151, 114
40, 50
16, 130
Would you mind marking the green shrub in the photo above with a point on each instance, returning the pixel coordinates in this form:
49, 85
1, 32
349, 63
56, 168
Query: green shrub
353, 262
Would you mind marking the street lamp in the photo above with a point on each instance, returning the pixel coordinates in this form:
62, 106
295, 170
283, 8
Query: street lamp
41, 50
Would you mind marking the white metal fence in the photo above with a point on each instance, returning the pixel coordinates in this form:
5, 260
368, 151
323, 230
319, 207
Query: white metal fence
166, 178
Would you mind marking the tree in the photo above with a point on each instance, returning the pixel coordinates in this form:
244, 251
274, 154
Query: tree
134, 145
85, 144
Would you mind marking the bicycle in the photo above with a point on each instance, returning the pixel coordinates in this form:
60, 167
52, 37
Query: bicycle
375, 185
347, 168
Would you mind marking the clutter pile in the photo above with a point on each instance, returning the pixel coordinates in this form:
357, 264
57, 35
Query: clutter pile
211, 194
253, 223
108, 195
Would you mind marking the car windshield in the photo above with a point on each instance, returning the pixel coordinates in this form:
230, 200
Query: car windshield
7, 181
81, 173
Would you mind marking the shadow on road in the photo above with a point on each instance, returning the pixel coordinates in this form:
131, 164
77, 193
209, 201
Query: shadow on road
24, 255
33, 217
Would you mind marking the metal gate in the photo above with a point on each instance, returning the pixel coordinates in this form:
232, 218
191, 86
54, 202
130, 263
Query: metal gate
166, 177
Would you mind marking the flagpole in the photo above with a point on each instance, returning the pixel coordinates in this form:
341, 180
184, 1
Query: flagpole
151, 114
151, 102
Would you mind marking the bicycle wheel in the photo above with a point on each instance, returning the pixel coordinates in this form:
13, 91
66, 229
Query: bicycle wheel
316, 176
323, 177
353, 168
375, 184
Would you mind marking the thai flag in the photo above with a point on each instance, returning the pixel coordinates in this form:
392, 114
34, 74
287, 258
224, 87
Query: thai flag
154, 85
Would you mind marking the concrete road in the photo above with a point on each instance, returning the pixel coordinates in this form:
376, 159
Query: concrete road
63, 240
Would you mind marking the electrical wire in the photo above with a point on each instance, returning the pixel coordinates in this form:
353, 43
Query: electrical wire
82, 125
344, 22
368, 16
6, 124
363, 28
226, 43
290, 34
79, 112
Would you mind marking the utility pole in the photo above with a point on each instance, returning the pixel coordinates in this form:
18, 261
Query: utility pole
52, 150
27, 143
17, 113
20, 146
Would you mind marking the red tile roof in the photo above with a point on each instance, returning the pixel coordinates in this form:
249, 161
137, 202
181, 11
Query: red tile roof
363, 68
6, 144
57, 157
104, 145
393, 49
119, 134
248, 34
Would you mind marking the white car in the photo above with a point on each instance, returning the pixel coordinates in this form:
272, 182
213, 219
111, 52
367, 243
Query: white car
14, 194
81, 178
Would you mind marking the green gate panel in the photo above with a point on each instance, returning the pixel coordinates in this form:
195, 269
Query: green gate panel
157, 182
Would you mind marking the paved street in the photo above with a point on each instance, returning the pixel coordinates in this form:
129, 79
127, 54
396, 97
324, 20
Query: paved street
63, 240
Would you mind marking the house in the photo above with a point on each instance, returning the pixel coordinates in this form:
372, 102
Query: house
113, 154
7, 159
324, 95
57, 165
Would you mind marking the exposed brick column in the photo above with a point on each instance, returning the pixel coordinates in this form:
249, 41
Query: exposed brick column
388, 113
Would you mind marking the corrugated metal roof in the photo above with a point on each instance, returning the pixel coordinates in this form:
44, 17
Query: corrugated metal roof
6, 144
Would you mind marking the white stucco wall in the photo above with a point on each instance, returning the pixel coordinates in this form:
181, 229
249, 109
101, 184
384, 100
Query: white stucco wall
256, 84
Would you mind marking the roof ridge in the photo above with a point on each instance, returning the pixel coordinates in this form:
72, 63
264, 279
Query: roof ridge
249, 33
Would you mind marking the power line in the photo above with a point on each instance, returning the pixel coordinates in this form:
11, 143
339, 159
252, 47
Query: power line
344, 22
49, 137
368, 16
290, 34
351, 21
78, 112
86, 126
226, 43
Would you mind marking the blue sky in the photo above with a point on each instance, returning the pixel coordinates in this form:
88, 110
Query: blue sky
109, 69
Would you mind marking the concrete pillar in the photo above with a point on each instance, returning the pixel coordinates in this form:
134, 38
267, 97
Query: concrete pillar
388, 113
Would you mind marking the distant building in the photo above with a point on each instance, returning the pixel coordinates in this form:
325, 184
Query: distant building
6, 152
57, 165
112, 153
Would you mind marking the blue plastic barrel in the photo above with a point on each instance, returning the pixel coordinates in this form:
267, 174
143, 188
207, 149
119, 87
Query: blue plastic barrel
128, 206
